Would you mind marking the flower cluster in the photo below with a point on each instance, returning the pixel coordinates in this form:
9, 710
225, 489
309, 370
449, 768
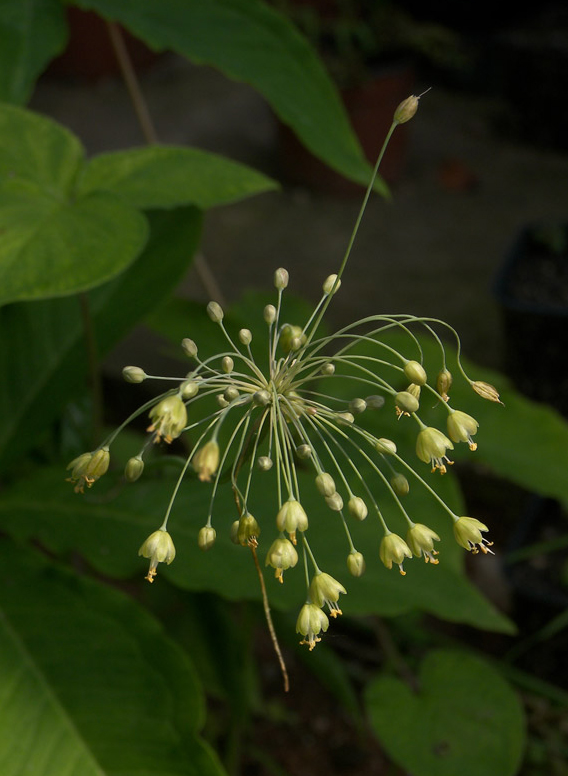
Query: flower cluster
279, 415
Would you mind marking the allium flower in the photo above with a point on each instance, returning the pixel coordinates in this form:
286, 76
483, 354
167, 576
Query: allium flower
159, 547
276, 417
467, 531
431, 446
311, 622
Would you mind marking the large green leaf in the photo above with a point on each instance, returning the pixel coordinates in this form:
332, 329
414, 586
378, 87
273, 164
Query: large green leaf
108, 527
90, 685
53, 243
32, 32
168, 176
464, 718
42, 351
249, 41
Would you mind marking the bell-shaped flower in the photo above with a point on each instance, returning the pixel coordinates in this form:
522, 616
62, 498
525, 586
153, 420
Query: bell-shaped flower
88, 468
431, 446
206, 460
325, 590
281, 555
159, 547
394, 549
310, 623
169, 418
461, 428
421, 540
467, 531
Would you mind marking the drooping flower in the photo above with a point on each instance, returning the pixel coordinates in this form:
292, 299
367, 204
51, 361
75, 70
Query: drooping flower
421, 540
281, 556
461, 428
159, 547
88, 468
467, 531
169, 418
394, 549
325, 590
310, 623
206, 460
431, 446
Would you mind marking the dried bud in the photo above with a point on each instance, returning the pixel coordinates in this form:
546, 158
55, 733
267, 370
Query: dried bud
206, 537
215, 312
486, 391
281, 278
189, 347
133, 374
444, 383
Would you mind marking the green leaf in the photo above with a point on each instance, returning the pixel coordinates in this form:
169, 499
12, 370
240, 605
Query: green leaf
463, 719
55, 244
42, 350
32, 32
90, 683
249, 41
108, 527
168, 176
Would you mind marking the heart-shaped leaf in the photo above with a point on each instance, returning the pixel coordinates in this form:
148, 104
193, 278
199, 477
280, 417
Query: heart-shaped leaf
463, 719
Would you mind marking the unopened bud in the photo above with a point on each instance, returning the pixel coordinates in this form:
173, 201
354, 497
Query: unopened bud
375, 402
357, 508
231, 393
206, 537
331, 284
415, 372
134, 468
227, 364
328, 369
345, 418
281, 278
264, 463
357, 406
269, 314
334, 502
406, 110
444, 383
406, 402
215, 312
400, 484
189, 347
325, 484
247, 529
385, 446
303, 451
133, 374
291, 337
221, 401
245, 336
261, 398
356, 564
189, 389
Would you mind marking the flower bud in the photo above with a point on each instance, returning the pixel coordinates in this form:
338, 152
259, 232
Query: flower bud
310, 623
357, 406
189, 389
400, 484
328, 369
245, 336
231, 393
264, 463
221, 401
325, 591
133, 374
227, 364
331, 284
357, 508
206, 537
375, 402
415, 372
385, 446
134, 468
406, 110
406, 403
421, 540
486, 391
291, 337
325, 484
303, 451
261, 398
334, 502
169, 418
159, 548
431, 446
247, 529
281, 278
444, 383
281, 556
345, 418
356, 564
414, 390
461, 428
393, 549
234, 533
269, 314
206, 460
189, 347
215, 312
